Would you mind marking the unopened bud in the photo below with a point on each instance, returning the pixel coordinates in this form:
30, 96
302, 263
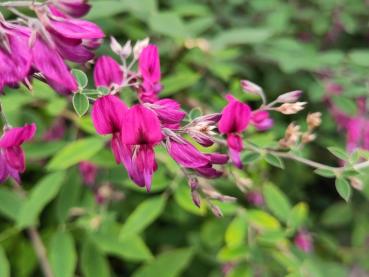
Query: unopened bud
139, 46
304, 241
291, 108
291, 136
216, 211
314, 120
356, 183
251, 87
122, 51
307, 137
193, 182
196, 198
289, 97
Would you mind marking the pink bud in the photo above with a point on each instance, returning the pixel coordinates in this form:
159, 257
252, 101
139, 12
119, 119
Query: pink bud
289, 97
255, 198
304, 241
251, 87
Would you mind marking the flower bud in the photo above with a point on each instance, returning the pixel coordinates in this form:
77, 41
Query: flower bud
139, 46
314, 120
251, 87
307, 137
304, 241
196, 198
356, 183
216, 211
291, 108
289, 97
193, 183
255, 198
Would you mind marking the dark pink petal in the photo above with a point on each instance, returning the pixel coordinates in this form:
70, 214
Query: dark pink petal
186, 154
261, 120
51, 65
117, 148
217, 158
107, 114
17, 136
234, 141
236, 158
107, 72
140, 164
4, 173
15, 157
209, 172
149, 64
141, 126
235, 117
72, 49
304, 241
75, 28
14, 65
168, 111
74, 8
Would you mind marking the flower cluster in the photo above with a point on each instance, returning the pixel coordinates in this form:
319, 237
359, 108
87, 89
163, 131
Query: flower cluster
40, 46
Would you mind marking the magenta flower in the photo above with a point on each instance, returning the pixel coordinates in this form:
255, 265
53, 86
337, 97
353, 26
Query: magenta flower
149, 67
12, 158
304, 241
73, 8
255, 198
141, 131
169, 112
88, 171
107, 72
15, 56
208, 171
235, 118
261, 120
185, 154
56, 131
51, 65
107, 117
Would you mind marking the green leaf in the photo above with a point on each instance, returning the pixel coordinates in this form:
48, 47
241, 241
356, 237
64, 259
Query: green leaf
93, 262
325, 173
249, 157
298, 216
10, 203
343, 188
42, 150
4, 264
81, 78
80, 103
360, 57
168, 264
169, 24
132, 248
43, 192
178, 82
274, 160
76, 152
337, 214
68, 195
227, 254
142, 216
62, 252
236, 232
262, 220
240, 36
339, 153
277, 202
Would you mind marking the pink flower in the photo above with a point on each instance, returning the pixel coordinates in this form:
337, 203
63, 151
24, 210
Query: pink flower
51, 65
107, 72
169, 112
15, 56
185, 154
235, 118
255, 198
149, 67
141, 131
261, 120
208, 171
56, 131
88, 171
12, 158
74, 8
304, 241
107, 117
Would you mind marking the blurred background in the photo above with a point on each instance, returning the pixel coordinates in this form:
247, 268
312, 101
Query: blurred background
287, 222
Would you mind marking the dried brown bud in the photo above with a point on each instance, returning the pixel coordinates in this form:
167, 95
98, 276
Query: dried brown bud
307, 137
291, 108
291, 136
314, 120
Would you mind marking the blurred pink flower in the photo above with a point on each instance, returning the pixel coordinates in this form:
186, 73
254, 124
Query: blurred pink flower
12, 157
304, 241
88, 171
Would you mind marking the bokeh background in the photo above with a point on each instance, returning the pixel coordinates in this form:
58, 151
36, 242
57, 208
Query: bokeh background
206, 48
